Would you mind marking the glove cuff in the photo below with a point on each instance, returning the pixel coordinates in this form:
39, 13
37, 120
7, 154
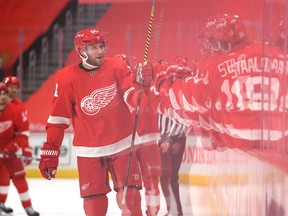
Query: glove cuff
12, 147
49, 150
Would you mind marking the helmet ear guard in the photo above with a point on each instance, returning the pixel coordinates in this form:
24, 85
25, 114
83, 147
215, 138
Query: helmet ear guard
82, 53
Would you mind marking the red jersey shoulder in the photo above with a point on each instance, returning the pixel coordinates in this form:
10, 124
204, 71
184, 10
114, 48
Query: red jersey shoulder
114, 62
68, 74
115, 65
19, 103
12, 110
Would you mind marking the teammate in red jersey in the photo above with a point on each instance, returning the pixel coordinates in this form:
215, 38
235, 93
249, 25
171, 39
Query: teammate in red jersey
94, 95
239, 90
148, 134
13, 141
13, 87
147, 150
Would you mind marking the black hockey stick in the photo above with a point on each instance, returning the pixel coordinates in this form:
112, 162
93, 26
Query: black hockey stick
158, 32
18, 156
138, 102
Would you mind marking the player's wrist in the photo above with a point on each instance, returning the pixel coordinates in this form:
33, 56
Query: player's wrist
49, 150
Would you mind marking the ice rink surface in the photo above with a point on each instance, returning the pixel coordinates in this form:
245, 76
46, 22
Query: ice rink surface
244, 186
61, 197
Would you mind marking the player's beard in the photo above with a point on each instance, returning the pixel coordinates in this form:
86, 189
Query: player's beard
13, 94
92, 62
95, 61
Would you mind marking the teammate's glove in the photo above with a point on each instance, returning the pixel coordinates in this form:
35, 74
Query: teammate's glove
144, 74
172, 73
27, 155
11, 148
49, 160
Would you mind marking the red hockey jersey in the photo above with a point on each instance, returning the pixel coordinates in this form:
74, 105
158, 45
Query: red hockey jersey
94, 102
241, 96
13, 127
22, 107
147, 124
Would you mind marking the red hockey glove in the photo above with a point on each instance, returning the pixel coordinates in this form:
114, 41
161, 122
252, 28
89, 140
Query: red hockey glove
49, 161
172, 73
144, 74
27, 155
159, 80
11, 148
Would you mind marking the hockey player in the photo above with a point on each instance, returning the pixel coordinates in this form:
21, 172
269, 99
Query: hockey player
147, 150
94, 95
13, 139
238, 92
13, 87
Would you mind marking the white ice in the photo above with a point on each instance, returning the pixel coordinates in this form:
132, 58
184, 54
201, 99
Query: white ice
60, 197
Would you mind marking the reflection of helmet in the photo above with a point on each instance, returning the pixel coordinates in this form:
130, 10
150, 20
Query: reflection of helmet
222, 32
123, 57
282, 36
160, 65
3, 87
11, 80
86, 37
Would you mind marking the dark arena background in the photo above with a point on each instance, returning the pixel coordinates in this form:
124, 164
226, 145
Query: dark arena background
37, 40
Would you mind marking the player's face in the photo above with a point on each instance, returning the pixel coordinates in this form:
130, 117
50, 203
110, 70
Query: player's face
13, 91
3, 100
95, 53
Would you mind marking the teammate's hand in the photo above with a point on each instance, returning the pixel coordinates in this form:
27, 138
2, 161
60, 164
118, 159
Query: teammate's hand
144, 74
172, 73
11, 148
49, 160
27, 155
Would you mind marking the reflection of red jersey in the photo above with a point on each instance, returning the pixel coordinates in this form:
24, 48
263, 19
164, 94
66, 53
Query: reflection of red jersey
147, 125
94, 101
240, 95
13, 127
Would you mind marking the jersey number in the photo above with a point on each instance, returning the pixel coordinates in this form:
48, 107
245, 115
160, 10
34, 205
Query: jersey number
254, 93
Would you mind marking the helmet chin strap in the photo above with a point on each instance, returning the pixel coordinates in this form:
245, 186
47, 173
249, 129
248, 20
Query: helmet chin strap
86, 65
